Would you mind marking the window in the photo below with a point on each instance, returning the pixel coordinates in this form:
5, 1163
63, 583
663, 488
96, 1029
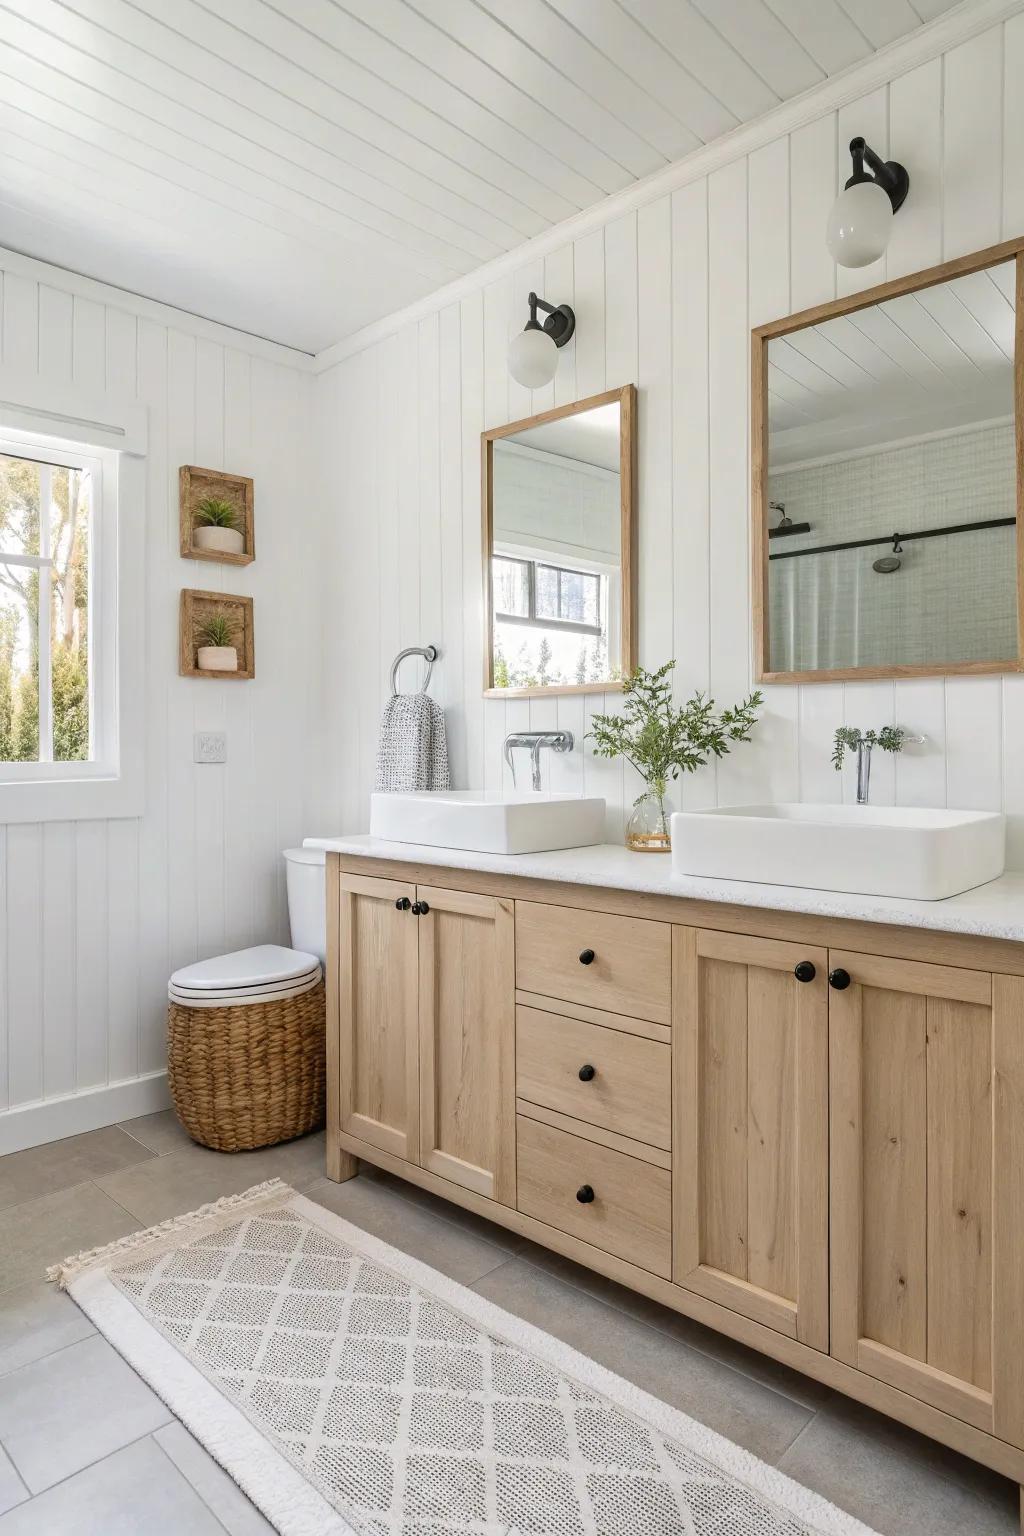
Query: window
48, 581
533, 592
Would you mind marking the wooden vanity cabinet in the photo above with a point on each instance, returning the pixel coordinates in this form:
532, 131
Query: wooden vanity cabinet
750, 1056
927, 1187
815, 1147
426, 1043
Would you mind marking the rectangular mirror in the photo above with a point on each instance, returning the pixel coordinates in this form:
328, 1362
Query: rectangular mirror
558, 534
887, 500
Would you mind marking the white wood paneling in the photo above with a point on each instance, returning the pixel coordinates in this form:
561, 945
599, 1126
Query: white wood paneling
665, 296
376, 149
94, 915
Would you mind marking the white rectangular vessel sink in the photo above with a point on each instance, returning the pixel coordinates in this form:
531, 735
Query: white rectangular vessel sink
482, 821
868, 850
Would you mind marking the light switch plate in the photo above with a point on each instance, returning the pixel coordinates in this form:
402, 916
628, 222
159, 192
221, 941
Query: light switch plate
210, 747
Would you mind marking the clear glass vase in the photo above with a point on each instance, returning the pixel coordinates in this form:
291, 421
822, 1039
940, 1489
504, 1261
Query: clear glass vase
647, 830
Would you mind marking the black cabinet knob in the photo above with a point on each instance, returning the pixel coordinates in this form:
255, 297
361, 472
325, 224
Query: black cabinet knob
587, 957
584, 1194
804, 971
587, 1073
420, 908
403, 903
839, 979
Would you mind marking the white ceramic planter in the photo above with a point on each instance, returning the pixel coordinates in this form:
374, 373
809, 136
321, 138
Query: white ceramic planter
225, 541
218, 658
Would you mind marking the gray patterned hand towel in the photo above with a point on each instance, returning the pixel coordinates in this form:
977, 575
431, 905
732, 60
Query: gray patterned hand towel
413, 750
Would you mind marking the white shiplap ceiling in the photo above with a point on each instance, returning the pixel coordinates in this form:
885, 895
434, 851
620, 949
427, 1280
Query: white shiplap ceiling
300, 168
935, 360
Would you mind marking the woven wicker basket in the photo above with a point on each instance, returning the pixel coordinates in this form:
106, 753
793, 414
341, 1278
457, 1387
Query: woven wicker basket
249, 1075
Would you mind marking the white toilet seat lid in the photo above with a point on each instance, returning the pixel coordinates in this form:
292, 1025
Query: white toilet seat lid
247, 970
240, 997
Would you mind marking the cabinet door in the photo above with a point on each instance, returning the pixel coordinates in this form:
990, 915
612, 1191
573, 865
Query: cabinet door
750, 1170
377, 1014
467, 1041
927, 1085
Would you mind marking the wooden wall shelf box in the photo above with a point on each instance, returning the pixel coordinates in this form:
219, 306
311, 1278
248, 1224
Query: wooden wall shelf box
198, 606
194, 485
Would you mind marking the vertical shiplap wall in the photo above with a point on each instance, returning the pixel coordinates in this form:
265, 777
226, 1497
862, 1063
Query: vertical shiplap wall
666, 296
94, 915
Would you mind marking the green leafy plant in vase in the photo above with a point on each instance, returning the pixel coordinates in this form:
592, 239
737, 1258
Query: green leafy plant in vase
215, 527
216, 650
663, 740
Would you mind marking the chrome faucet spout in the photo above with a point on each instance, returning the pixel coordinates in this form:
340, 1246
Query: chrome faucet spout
534, 741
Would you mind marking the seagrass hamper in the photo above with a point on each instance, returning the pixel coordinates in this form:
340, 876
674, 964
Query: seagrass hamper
244, 1073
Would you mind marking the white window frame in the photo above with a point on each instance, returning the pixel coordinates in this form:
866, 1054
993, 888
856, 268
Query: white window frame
84, 431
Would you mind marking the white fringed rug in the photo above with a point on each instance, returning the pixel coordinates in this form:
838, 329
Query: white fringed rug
352, 1391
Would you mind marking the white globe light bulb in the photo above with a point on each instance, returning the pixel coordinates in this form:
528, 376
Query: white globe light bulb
858, 227
532, 359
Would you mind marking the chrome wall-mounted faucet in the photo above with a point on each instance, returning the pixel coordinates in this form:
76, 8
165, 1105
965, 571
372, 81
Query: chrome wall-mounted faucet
558, 741
891, 738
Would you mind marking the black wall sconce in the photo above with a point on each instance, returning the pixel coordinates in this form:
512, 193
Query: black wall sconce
860, 223
533, 354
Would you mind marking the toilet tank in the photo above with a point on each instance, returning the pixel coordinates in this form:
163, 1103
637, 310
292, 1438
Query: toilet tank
307, 916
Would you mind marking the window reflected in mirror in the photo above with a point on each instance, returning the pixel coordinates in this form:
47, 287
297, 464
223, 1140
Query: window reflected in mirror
890, 494
556, 550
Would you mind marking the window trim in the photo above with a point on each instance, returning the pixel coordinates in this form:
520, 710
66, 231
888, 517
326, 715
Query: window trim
89, 427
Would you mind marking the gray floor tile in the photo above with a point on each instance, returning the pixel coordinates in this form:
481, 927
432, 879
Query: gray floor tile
752, 1415
66, 1411
898, 1482
12, 1489
182, 1180
60, 1164
136, 1492
501, 1237
40, 1232
35, 1320
161, 1132
802, 1389
216, 1489
381, 1210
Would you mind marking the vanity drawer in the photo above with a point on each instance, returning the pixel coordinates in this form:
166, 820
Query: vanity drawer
627, 1090
622, 964
630, 1212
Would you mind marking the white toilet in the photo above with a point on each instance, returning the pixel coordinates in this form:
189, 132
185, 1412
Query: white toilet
267, 972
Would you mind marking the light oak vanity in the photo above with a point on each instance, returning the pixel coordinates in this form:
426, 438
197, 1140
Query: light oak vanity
805, 1131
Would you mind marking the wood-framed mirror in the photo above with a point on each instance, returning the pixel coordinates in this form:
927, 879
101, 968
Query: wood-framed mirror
888, 478
559, 549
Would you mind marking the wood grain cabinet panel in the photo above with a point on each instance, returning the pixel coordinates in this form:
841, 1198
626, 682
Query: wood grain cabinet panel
627, 962
601, 1076
750, 1146
626, 1204
378, 1007
927, 1101
467, 1040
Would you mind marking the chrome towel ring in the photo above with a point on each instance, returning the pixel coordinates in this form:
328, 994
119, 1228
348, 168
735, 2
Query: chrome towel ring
430, 654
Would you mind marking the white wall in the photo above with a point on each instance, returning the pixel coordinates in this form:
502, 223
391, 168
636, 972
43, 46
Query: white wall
95, 915
665, 293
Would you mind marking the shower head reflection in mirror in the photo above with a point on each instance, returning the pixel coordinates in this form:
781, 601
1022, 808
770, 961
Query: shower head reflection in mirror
893, 409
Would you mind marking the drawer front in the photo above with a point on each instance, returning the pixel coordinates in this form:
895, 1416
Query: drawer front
601, 1076
626, 964
630, 1214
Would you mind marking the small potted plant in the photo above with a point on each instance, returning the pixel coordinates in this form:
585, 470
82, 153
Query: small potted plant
215, 527
662, 741
216, 651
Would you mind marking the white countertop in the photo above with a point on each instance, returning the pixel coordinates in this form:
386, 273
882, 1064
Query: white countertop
994, 911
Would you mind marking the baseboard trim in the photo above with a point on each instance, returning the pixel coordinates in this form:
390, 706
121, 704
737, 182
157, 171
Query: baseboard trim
29, 1125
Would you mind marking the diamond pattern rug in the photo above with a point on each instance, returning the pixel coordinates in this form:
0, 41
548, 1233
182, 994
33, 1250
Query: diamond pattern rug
415, 1408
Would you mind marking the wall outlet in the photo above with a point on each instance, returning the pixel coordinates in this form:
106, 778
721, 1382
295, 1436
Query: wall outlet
210, 747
